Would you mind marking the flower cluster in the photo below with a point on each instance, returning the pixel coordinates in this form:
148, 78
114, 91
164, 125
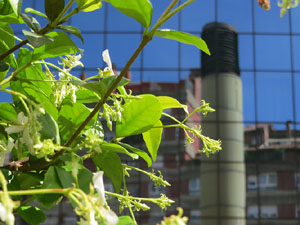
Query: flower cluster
287, 4
92, 208
6, 204
175, 219
28, 128
64, 88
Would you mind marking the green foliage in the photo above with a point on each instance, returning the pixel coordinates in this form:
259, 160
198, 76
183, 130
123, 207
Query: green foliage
31, 215
140, 10
53, 8
139, 115
152, 138
183, 38
50, 129
110, 163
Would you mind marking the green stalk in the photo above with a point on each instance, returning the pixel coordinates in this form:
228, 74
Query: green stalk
38, 191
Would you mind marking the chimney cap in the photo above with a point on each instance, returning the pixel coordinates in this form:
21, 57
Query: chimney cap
216, 25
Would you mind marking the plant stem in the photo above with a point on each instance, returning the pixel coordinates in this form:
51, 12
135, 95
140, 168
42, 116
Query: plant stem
100, 104
38, 191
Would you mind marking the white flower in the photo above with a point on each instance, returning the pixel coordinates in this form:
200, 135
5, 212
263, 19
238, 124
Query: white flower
21, 123
106, 59
6, 216
99, 185
3, 213
110, 217
5, 149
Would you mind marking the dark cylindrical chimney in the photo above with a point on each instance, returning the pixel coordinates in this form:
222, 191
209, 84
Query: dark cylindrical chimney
222, 41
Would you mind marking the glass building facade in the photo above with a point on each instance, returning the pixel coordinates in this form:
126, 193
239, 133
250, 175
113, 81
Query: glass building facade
269, 57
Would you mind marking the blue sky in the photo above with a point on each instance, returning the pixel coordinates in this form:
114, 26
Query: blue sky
270, 89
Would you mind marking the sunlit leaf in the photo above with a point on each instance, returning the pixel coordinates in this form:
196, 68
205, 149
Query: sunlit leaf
33, 11
139, 115
169, 102
183, 37
86, 6
140, 10
152, 139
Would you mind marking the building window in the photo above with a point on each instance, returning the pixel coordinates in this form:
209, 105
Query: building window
194, 186
266, 212
266, 181
252, 182
269, 211
154, 192
159, 163
252, 212
195, 216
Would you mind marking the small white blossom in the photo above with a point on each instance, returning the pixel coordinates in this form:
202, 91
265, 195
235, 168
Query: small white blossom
106, 59
110, 217
20, 124
5, 149
99, 185
2, 212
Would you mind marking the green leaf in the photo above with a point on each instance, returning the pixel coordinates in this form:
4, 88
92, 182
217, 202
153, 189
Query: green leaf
31, 215
111, 164
3, 67
31, 22
83, 5
11, 18
139, 115
34, 72
70, 117
100, 87
82, 96
139, 152
33, 11
7, 13
152, 139
16, 5
29, 179
62, 45
36, 40
49, 128
7, 112
183, 37
85, 178
66, 179
125, 220
117, 148
169, 102
53, 8
9, 59
140, 10
51, 181
71, 30
7, 34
